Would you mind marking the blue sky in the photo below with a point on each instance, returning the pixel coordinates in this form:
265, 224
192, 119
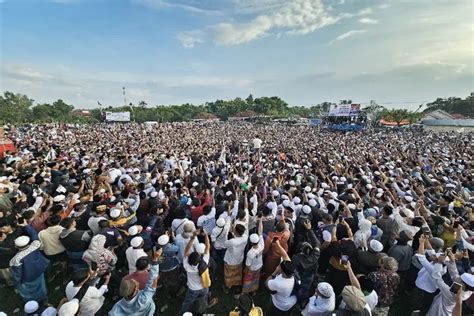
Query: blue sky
399, 53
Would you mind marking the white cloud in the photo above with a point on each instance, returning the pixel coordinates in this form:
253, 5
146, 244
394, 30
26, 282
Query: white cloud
368, 21
347, 35
163, 4
190, 38
295, 17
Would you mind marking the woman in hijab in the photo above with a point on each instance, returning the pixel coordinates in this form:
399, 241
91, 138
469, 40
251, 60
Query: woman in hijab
97, 253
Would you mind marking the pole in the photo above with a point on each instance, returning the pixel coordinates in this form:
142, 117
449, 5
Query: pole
124, 97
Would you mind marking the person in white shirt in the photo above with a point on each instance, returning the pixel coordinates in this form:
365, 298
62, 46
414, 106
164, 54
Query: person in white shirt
193, 264
281, 283
208, 220
90, 298
219, 237
257, 143
254, 261
424, 280
178, 225
134, 252
234, 257
182, 239
323, 301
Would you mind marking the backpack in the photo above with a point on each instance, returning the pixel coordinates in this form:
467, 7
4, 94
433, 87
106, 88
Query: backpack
203, 269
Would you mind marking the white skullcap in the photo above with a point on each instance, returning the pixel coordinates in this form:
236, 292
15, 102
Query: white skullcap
468, 279
200, 248
253, 200
132, 230
325, 289
31, 307
376, 245
115, 213
275, 193
286, 203
136, 242
408, 198
306, 209
154, 194
377, 173
228, 193
351, 206
296, 200
379, 195
86, 171
254, 238
292, 183
310, 196
220, 222
50, 311
312, 202
335, 178
187, 314
343, 179
271, 205
324, 185
349, 186
69, 308
195, 184
450, 185
177, 181
284, 197
379, 190
307, 189
22, 241
163, 240
59, 198
369, 186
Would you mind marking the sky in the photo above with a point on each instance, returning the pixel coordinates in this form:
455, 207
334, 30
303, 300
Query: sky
400, 53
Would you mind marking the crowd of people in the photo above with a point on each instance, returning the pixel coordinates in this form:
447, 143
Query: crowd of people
324, 223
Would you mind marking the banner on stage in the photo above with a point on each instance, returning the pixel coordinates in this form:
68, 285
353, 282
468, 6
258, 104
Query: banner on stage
345, 110
117, 116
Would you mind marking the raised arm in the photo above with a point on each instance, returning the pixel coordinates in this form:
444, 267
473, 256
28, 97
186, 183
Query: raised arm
189, 246
352, 278
207, 243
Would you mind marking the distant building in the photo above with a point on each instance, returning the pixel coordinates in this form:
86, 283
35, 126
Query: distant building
438, 115
205, 117
244, 116
83, 113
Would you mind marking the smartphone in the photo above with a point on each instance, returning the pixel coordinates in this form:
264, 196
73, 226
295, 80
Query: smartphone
341, 218
94, 266
455, 287
274, 239
425, 230
344, 259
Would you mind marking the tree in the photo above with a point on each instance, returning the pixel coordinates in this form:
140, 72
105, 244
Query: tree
14, 108
400, 115
453, 105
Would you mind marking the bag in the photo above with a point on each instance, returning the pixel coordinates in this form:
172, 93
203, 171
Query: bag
203, 269
296, 286
256, 311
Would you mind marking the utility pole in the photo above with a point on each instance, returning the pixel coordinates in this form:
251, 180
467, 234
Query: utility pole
124, 97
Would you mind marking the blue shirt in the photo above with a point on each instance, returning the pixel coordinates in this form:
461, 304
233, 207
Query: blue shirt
142, 303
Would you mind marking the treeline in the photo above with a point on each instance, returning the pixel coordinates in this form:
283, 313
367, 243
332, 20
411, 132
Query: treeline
18, 108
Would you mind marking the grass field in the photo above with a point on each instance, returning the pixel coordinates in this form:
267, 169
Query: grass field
10, 301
